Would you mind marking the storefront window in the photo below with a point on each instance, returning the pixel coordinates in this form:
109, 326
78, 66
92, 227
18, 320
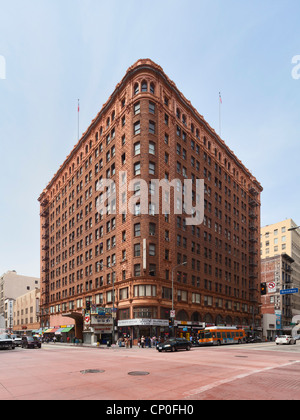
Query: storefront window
144, 290
145, 312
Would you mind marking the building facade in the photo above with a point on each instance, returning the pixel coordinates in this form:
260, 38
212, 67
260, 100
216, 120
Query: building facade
107, 267
26, 313
277, 239
276, 277
13, 285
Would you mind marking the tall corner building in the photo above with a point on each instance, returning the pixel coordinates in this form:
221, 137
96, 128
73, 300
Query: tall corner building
277, 239
139, 265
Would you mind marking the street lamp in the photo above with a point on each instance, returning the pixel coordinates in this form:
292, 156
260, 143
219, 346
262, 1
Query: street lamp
113, 301
174, 268
294, 228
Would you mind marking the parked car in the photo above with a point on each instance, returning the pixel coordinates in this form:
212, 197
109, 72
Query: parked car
285, 339
6, 342
297, 337
17, 339
30, 343
174, 344
253, 340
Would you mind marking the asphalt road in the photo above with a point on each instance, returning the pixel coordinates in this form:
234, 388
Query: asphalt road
260, 371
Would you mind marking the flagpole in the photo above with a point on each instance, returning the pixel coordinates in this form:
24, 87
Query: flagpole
220, 102
78, 119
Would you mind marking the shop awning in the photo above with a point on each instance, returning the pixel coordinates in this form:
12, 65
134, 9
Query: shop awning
51, 330
48, 330
59, 331
67, 329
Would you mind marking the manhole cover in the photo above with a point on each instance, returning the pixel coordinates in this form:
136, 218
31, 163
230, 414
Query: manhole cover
91, 371
138, 373
242, 356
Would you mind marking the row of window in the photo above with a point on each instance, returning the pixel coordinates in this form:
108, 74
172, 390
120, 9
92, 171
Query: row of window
148, 290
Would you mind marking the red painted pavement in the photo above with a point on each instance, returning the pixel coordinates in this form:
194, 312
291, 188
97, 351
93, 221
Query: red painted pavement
244, 372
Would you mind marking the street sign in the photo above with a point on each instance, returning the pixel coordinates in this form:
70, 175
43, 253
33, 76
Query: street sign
271, 287
172, 313
288, 291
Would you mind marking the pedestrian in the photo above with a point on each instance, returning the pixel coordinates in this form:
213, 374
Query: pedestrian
143, 341
139, 342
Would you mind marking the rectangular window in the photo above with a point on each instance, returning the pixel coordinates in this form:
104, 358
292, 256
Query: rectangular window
137, 229
151, 127
151, 168
137, 148
137, 128
151, 107
137, 108
151, 148
137, 168
137, 270
137, 250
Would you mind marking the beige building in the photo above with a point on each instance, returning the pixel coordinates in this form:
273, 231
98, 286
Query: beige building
13, 285
277, 239
26, 312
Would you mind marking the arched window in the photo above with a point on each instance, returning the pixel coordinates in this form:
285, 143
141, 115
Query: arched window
196, 317
136, 89
152, 88
182, 315
144, 86
208, 319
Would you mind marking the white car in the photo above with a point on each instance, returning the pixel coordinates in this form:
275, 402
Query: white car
285, 339
17, 339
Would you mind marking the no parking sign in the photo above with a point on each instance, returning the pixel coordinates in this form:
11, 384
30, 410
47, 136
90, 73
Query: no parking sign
271, 287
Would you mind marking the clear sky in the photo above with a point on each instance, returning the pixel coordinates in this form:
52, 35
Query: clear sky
53, 52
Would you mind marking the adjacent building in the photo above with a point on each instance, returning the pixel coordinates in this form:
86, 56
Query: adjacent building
282, 238
26, 311
276, 278
113, 258
13, 285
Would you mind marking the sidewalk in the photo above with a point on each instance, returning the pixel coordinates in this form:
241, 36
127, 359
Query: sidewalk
94, 346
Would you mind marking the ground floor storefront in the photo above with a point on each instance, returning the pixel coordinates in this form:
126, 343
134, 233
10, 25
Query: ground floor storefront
143, 329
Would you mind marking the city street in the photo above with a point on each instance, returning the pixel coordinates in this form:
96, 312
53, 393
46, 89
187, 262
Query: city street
260, 371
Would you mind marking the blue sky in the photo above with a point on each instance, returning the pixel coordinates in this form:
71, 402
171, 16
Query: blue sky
58, 51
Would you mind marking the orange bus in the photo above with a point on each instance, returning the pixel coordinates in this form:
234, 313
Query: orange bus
221, 335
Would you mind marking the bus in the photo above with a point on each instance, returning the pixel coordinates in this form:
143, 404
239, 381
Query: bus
221, 335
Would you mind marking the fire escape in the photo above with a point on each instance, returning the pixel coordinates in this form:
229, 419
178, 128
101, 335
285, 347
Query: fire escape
254, 290
45, 269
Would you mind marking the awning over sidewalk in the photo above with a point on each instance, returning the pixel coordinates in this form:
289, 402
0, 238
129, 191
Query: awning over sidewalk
67, 329
51, 330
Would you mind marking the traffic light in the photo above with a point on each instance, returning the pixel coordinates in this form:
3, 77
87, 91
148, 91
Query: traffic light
263, 290
88, 305
170, 322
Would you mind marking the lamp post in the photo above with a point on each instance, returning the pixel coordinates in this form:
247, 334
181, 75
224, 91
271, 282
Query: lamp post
174, 268
113, 301
294, 228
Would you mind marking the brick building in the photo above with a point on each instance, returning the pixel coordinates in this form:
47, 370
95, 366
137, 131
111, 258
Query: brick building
148, 130
276, 274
